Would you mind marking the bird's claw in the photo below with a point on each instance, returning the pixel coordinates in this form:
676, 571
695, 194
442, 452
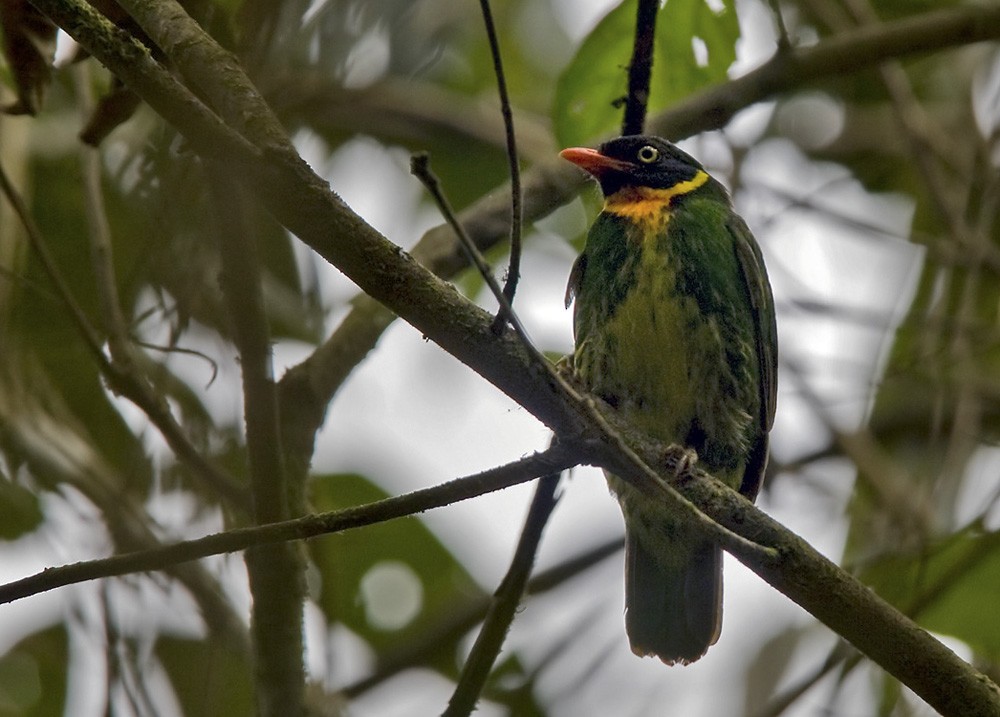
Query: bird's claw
679, 459
564, 367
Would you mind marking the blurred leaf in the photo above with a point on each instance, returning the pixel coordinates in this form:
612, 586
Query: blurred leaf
956, 581
589, 92
386, 582
678, 71
768, 668
209, 679
43, 353
29, 45
512, 686
33, 676
589, 89
113, 108
20, 511
890, 695
163, 227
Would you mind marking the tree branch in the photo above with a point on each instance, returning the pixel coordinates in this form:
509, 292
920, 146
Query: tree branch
275, 571
99, 234
516, 213
843, 54
405, 110
840, 601
210, 68
640, 68
507, 597
553, 460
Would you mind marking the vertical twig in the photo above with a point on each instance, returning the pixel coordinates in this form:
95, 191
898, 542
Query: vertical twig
784, 43
462, 617
640, 69
275, 571
420, 168
99, 233
516, 212
505, 601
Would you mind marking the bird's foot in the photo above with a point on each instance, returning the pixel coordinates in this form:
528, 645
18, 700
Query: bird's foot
564, 367
679, 459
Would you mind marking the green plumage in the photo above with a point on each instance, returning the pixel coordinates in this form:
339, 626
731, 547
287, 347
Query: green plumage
674, 325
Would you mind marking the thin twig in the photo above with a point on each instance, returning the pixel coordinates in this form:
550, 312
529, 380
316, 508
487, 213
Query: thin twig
640, 69
890, 482
505, 601
180, 350
784, 43
557, 458
421, 169
516, 212
778, 704
276, 572
99, 233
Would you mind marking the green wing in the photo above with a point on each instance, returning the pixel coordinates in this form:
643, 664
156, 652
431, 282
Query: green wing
766, 342
762, 305
576, 278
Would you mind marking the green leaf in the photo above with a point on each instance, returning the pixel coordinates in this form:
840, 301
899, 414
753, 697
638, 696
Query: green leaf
954, 584
513, 686
677, 72
595, 80
20, 511
589, 92
208, 678
386, 582
29, 47
33, 675
46, 362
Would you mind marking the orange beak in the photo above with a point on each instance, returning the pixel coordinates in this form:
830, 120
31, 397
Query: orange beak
592, 160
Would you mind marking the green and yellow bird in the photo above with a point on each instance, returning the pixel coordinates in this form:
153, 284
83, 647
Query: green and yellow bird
674, 325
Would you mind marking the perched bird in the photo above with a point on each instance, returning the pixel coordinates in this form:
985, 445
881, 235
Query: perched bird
674, 325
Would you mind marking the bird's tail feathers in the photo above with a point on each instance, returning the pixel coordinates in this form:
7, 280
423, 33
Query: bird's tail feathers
673, 612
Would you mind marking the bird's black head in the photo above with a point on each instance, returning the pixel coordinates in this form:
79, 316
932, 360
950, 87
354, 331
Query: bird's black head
635, 161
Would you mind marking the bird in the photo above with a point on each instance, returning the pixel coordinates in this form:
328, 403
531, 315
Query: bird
674, 328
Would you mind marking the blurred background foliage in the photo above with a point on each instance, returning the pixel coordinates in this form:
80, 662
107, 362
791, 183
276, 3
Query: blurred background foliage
874, 195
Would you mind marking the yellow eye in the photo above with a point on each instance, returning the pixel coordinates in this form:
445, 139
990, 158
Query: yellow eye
648, 154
